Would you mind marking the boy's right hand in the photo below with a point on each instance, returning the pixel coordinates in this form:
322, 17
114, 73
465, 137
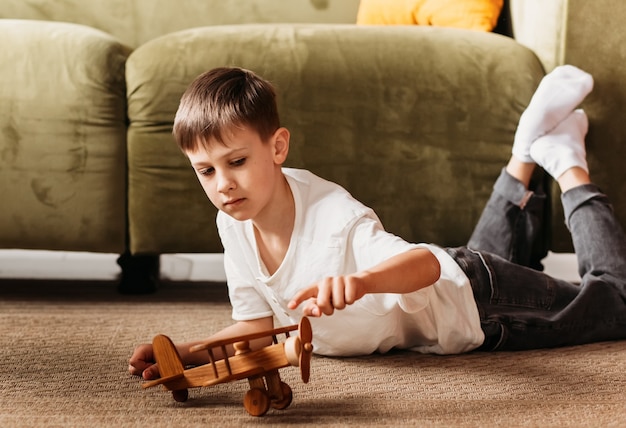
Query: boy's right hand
142, 362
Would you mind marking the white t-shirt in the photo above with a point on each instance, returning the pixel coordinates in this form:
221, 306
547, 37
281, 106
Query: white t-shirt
334, 234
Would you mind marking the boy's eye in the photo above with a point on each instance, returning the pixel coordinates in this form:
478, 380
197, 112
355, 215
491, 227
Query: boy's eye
238, 162
206, 171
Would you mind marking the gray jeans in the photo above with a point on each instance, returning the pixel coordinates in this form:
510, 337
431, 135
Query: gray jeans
521, 307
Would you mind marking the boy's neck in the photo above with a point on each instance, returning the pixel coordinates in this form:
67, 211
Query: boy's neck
273, 232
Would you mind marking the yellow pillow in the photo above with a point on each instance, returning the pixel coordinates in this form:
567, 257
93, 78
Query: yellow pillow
471, 14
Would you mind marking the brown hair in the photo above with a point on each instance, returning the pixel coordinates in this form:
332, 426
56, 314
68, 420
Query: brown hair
223, 98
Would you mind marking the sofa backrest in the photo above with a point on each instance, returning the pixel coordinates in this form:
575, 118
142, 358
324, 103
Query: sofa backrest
134, 22
594, 42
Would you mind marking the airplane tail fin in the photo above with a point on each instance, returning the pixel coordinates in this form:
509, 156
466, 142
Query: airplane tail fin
170, 366
167, 357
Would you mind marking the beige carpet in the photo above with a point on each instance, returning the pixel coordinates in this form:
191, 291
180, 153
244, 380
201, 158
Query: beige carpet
64, 350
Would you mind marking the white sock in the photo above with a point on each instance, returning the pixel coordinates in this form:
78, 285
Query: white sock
557, 95
564, 147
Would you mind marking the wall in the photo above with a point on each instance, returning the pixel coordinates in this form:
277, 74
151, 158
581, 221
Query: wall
540, 25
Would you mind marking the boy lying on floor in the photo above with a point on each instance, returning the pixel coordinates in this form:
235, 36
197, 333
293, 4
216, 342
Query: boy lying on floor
296, 244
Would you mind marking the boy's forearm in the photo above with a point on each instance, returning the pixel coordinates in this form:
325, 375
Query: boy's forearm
404, 273
401, 274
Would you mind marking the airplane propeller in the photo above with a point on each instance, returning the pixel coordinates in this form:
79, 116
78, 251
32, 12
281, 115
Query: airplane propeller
299, 349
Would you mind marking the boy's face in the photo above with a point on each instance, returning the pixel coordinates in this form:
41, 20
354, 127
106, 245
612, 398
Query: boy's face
242, 176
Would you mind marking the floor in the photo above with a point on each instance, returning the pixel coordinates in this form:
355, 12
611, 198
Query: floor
31, 264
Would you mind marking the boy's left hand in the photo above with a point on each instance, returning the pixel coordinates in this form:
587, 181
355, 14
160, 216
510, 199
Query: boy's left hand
142, 362
329, 294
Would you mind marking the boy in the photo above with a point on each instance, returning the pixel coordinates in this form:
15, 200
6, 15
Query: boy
296, 244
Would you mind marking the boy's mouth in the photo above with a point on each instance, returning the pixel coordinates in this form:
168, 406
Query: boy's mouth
233, 202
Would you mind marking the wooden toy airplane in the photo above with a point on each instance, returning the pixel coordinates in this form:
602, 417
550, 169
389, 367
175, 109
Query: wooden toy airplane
260, 367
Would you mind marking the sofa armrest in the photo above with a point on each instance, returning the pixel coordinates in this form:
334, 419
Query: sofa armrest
63, 139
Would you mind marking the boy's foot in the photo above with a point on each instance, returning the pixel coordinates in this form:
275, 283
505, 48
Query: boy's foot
557, 95
564, 147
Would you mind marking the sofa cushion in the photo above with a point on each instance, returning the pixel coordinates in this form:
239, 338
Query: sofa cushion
62, 139
479, 15
416, 121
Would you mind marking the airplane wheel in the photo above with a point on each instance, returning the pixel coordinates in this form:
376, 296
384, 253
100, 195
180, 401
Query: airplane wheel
256, 402
181, 395
287, 397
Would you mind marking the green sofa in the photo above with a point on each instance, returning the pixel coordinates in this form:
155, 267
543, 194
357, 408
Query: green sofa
415, 121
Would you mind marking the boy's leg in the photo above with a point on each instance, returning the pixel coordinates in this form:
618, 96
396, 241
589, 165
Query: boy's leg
598, 238
523, 309
511, 225
558, 93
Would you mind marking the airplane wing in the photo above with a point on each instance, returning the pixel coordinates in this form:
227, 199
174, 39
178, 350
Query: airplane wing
162, 380
243, 338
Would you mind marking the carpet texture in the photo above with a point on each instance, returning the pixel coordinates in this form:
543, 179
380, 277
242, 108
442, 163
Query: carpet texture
64, 349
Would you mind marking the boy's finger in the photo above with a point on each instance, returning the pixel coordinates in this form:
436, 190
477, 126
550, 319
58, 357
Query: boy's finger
133, 371
301, 296
312, 311
151, 372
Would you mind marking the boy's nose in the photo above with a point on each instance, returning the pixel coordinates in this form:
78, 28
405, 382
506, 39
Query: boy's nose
225, 183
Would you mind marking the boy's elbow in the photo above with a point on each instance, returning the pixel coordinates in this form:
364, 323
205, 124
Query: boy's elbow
434, 269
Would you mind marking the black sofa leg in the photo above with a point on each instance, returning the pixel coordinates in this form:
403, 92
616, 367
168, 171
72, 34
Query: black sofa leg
140, 273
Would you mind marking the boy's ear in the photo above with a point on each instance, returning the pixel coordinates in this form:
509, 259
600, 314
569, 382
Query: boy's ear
281, 145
